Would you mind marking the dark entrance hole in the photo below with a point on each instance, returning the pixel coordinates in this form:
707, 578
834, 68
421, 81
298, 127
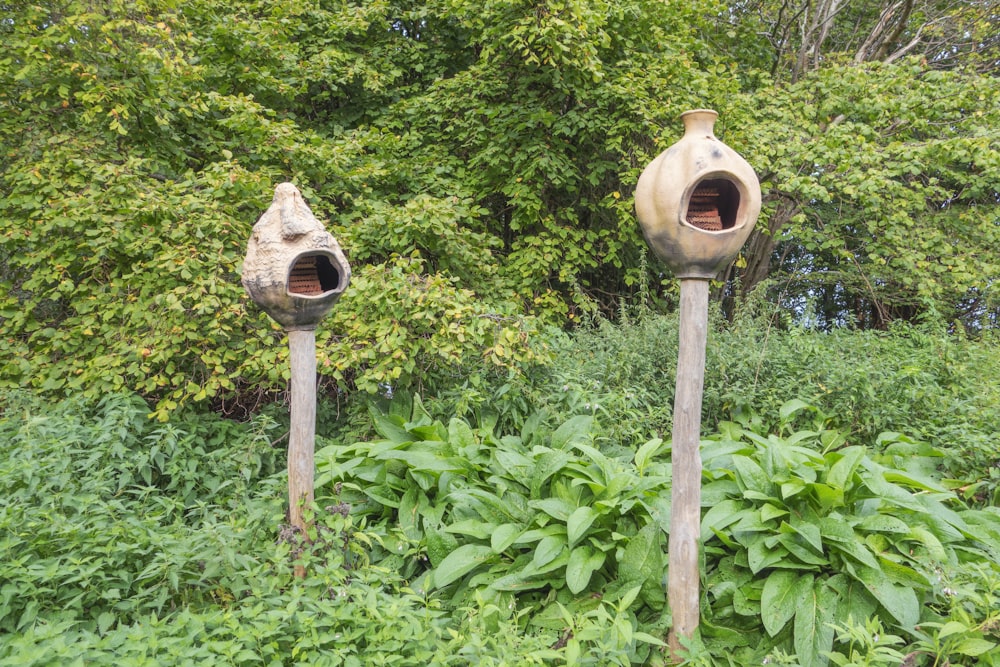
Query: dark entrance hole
713, 205
312, 275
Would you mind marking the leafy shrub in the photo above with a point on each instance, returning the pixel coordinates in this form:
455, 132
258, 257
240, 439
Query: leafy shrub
917, 380
109, 517
804, 531
542, 518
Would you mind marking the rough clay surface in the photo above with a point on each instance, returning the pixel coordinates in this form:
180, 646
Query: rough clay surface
286, 229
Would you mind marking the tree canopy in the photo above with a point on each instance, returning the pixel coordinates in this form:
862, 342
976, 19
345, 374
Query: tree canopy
477, 162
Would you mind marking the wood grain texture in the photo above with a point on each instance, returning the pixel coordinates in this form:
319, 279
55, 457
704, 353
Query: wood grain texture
685, 518
302, 434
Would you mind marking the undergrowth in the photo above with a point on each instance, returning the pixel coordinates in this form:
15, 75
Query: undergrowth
850, 494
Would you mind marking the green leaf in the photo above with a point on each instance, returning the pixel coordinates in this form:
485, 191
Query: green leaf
105, 621
900, 601
578, 522
808, 531
784, 592
841, 472
477, 528
752, 476
813, 627
583, 562
883, 523
721, 516
460, 562
642, 560
548, 549
646, 452
504, 536
790, 408
557, 508
973, 646
761, 554
547, 465
425, 461
840, 536
572, 430
460, 434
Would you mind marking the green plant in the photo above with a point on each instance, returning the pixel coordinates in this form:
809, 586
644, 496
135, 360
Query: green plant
803, 530
543, 517
868, 645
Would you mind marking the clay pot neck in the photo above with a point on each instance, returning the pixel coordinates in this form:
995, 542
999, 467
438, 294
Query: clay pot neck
699, 122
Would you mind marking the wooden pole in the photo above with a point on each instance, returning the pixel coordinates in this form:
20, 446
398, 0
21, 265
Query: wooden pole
685, 515
302, 434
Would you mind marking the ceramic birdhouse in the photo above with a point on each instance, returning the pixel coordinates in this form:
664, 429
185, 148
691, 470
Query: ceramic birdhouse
294, 269
697, 202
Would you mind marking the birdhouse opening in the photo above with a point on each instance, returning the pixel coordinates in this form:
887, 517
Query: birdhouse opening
313, 275
713, 205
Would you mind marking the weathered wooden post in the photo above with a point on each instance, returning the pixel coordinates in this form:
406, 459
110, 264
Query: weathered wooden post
296, 271
697, 202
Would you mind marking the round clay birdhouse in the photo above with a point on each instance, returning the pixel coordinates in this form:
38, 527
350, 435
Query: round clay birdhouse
697, 201
294, 269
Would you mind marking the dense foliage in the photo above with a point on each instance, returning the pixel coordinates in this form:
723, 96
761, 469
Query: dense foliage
505, 498
850, 515
477, 163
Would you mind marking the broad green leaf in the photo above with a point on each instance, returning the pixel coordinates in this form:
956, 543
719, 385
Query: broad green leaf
783, 593
951, 628
578, 522
409, 519
439, 545
829, 497
538, 534
521, 581
504, 536
914, 481
583, 562
546, 465
751, 476
557, 508
721, 516
841, 537
900, 601
769, 511
460, 562
930, 542
548, 549
572, 430
460, 434
642, 559
790, 408
843, 469
883, 523
805, 555
646, 452
477, 528
426, 461
105, 621
809, 532
974, 646
813, 627
389, 429
902, 574
760, 555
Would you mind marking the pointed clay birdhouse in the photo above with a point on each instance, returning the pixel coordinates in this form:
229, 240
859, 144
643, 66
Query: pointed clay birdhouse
698, 201
294, 269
